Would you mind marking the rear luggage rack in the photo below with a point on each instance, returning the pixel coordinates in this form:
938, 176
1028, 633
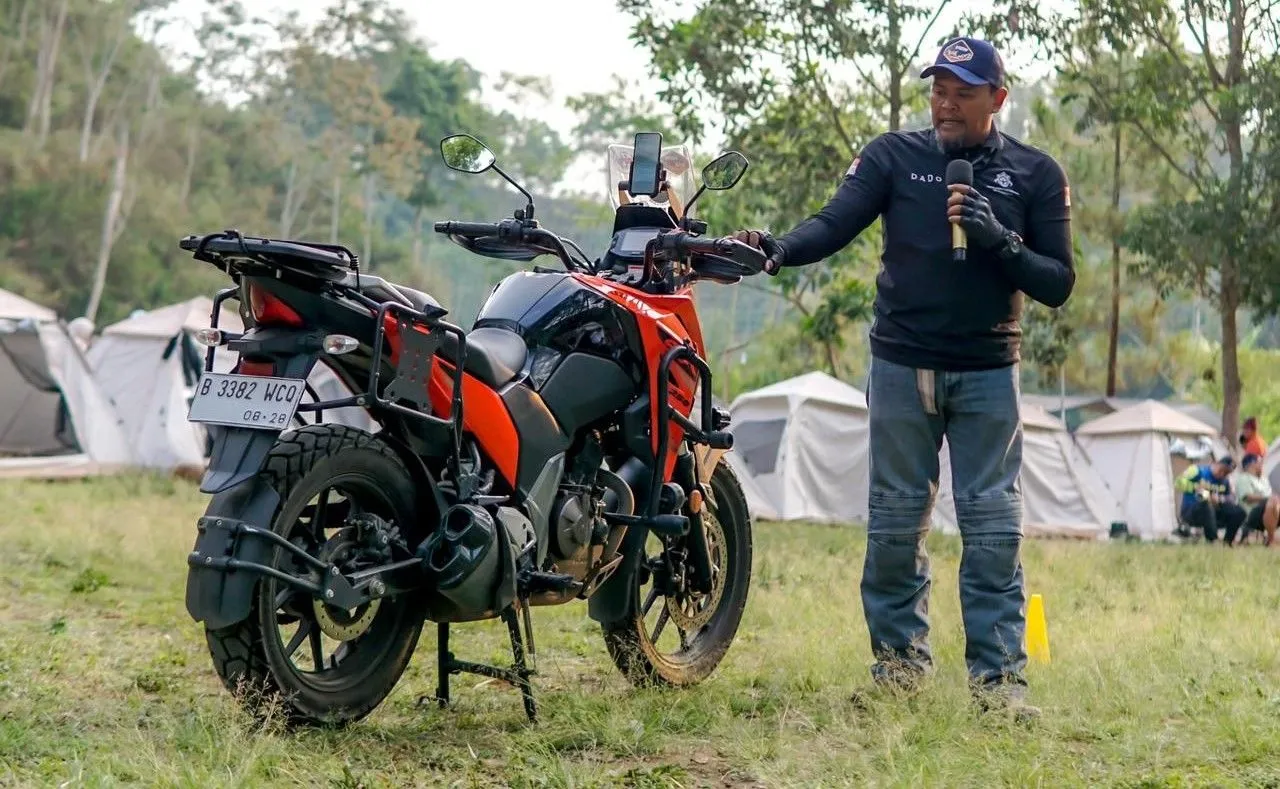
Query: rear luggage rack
420, 334
329, 262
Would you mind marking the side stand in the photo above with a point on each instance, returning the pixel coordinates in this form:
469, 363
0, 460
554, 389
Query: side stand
517, 675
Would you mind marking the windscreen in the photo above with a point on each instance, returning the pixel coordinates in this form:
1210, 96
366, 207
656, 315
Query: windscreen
676, 159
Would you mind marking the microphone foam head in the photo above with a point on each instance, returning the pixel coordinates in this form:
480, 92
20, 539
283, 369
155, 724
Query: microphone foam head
960, 171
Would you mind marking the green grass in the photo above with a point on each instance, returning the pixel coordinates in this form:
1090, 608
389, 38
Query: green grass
1165, 672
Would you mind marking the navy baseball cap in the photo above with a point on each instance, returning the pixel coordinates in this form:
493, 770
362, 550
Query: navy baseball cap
975, 61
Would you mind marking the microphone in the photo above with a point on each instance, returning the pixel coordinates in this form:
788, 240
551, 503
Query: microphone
959, 171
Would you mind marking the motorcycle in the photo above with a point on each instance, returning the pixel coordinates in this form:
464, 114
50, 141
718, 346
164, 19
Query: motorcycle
564, 448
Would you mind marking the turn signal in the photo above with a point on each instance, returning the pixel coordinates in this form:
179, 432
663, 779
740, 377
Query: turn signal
209, 338
338, 344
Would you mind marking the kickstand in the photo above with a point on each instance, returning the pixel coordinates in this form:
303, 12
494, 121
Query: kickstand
517, 675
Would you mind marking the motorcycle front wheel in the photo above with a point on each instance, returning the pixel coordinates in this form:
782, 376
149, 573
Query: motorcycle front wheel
672, 635
315, 663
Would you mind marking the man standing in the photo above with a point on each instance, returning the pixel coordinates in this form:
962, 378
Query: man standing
945, 348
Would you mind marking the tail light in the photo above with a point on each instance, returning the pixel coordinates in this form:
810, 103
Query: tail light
256, 368
269, 309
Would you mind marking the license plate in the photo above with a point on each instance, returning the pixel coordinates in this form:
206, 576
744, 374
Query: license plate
246, 401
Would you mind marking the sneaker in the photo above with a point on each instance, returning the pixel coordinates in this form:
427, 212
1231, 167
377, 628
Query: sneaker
1008, 699
895, 686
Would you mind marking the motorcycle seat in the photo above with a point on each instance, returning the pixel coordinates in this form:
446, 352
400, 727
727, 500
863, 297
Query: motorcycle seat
495, 356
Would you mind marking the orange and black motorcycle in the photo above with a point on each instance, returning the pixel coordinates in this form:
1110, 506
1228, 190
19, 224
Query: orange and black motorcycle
564, 448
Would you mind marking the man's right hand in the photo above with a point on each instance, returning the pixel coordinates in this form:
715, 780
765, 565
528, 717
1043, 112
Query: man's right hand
763, 241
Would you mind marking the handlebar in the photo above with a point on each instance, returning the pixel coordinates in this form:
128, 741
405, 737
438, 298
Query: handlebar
717, 253
473, 229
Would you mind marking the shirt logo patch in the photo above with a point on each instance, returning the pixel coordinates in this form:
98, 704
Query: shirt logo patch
1003, 183
958, 52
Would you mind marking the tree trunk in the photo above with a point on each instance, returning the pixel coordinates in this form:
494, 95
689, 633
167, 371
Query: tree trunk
289, 210
1229, 268
51, 69
335, 208
366, 256
193, 142
110, 223
896, 69
97, 81
1113, 340
1231, 385
13, 43
417, 238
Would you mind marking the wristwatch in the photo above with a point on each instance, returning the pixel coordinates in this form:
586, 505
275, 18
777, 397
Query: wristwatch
1011, 248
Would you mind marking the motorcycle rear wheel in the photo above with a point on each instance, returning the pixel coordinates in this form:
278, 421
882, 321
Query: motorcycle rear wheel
679, 640
324, 474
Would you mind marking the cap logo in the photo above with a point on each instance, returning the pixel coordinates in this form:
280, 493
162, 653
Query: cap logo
958, 52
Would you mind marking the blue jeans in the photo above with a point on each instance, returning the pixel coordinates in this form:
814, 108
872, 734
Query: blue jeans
911, 410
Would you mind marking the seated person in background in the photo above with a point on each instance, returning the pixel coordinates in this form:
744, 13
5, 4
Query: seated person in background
1207, 501
1254, 493
1250, 440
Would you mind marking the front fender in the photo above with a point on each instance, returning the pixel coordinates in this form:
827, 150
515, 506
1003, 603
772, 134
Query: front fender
220, 597
615, 600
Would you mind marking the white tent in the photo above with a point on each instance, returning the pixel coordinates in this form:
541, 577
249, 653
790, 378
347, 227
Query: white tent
1271, 466
151, 362
1131, 449
54, 419
804, 443
1063, 495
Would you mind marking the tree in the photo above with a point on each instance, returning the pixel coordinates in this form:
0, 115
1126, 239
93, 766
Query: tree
762, 67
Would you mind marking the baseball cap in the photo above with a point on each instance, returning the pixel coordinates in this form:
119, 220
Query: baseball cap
973, 60
1227, 461
1249, 460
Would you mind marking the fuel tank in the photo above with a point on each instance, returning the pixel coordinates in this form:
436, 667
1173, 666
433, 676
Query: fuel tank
585, 354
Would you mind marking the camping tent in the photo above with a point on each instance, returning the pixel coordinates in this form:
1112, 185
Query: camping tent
1131, 449
54, 420
1076, 410
804, 443
1062, 493
1271, 466
152, 362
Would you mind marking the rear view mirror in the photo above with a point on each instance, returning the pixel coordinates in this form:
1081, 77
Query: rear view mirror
466, 154
724, 171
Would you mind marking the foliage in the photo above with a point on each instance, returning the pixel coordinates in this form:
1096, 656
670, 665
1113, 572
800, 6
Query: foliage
324, 130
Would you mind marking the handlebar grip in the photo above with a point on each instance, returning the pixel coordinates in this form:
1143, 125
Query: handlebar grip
474, 229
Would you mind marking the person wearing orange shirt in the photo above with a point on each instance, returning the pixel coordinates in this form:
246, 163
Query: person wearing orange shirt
1250, 441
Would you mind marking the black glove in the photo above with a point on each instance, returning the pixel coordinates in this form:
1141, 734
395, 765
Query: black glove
763, 241
981, 225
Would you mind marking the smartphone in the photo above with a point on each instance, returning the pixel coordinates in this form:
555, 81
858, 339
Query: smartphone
645, 167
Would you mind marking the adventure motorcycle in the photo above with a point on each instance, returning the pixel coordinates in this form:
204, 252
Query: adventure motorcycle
549, 454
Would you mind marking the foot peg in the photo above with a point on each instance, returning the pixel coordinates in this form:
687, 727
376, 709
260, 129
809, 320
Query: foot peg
550, 582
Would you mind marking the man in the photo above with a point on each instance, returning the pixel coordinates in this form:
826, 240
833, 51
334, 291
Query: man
1253, 490
1250, 441
1207, 500
945, 347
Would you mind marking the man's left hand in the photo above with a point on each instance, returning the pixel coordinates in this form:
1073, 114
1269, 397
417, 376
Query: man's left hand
972, 211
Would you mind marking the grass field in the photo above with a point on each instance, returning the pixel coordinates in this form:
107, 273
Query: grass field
1165, 672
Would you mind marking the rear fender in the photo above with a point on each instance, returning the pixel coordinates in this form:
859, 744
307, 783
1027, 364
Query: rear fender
218, 597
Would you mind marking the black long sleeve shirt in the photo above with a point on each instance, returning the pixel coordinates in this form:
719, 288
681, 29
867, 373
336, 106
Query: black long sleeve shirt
931, 311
